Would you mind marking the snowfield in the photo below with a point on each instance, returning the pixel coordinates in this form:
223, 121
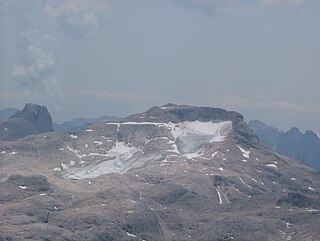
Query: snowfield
189, 140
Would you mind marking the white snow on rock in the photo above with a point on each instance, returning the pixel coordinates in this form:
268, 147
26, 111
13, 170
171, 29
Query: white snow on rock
220, 200
193, 135
64, 166
23, 187
13, 153
123, 157
253, 179
310, 188
99, 143
88, 130
77, 152
242, 180
293, 178
244, 160
131, 235
272, 165
3, 152
245, 153
214, 154
73, 136
220, 168
57, 169
188, 140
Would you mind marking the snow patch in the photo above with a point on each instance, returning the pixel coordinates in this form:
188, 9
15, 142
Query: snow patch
3, 152
220, 200
310, 188
242, 180
99, 143
220, 168
73, 136
64, 166
131, 235
272, 165
23, 187
214, 154
88, 130
57, 169
254, 179
191, 136
245, 153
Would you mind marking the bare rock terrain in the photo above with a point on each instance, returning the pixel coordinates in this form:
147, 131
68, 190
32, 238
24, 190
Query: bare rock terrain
170, 173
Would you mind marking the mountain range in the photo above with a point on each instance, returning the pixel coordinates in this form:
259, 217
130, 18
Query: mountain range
294, 143
173, 172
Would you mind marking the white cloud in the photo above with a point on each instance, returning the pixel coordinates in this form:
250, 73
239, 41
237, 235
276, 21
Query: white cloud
37, 64
77, 17
38, 59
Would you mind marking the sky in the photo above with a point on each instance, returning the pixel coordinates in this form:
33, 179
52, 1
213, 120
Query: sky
87, 58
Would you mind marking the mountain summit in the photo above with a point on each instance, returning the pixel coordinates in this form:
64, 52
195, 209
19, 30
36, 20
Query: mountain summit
33, 119
170, 173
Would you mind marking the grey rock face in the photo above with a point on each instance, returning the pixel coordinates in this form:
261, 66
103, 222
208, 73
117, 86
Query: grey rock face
33, 119
37, 115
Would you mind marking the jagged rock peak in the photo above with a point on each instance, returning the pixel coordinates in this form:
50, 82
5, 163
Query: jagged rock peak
36, 115
179, 113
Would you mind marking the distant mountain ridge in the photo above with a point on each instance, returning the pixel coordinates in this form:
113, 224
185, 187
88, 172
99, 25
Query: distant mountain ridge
78, 124
294, 143
7, 112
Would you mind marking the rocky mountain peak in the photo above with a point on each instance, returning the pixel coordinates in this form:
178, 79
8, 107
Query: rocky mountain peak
33, 119
37, 115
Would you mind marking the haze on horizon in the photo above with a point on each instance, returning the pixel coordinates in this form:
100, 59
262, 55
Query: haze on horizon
86, 58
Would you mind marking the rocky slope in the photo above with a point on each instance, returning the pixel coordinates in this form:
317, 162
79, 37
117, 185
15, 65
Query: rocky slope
170, 173
294, 143
33, 119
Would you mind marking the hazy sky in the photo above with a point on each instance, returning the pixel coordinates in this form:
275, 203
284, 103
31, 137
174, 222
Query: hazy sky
116, 57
